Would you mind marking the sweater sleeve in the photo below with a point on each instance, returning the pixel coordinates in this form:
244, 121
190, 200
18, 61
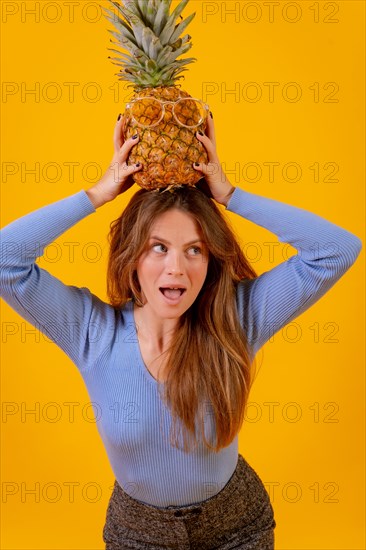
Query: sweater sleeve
75, 319
325, 252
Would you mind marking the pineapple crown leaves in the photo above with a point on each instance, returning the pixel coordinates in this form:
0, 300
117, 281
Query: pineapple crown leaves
152, 39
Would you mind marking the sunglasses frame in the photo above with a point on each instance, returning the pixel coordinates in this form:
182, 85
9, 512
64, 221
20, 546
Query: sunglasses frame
163, 103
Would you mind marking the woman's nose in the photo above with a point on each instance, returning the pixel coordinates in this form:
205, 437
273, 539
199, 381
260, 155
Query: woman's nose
174, 264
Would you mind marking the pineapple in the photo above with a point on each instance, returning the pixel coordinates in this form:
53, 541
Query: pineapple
168, 146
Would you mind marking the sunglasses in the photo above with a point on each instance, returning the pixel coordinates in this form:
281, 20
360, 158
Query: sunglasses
148, 112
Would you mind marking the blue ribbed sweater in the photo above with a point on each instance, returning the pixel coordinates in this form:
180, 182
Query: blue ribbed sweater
132, 420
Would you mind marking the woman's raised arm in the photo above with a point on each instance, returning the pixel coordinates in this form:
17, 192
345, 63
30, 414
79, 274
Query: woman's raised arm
63, 313
77, 321
325, 252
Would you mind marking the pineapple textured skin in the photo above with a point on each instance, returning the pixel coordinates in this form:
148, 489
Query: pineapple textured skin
167, 150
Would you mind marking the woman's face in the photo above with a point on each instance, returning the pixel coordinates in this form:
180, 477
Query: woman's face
176, 256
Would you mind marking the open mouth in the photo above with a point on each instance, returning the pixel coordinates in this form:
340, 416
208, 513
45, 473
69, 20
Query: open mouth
172, 292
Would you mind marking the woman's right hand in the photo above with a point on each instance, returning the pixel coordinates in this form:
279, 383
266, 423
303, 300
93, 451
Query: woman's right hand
117, 178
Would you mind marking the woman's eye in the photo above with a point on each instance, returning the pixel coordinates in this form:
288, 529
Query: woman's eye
157, 245
197, 249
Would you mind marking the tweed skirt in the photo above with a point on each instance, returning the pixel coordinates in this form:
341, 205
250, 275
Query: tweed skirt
239, 516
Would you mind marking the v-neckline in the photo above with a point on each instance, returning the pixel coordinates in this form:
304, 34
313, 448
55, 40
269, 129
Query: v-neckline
138, 351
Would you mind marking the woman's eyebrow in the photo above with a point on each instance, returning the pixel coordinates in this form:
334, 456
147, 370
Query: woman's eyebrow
167, 242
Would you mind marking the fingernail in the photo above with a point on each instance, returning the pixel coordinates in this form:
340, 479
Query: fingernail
196, 163
119, 117
201, 133
138, 164
135, 136
211, 115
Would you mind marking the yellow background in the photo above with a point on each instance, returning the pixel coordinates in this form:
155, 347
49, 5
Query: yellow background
315, 465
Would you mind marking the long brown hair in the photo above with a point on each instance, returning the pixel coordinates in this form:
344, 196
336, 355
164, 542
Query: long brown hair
208, 361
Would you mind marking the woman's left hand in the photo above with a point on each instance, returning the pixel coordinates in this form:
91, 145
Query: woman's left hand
215, 183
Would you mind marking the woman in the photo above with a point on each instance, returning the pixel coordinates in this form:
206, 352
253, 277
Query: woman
176, 345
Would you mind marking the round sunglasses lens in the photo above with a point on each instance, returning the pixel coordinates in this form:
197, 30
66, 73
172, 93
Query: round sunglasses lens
189, 112
146, 111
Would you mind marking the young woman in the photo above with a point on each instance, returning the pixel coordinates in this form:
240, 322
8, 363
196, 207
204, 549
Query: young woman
169, 360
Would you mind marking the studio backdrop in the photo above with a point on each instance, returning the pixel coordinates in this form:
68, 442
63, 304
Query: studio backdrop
285, 83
